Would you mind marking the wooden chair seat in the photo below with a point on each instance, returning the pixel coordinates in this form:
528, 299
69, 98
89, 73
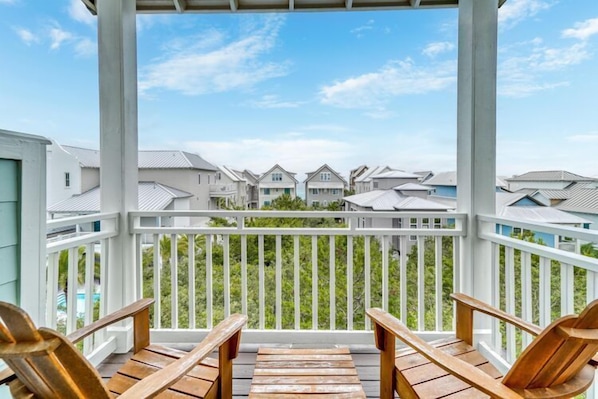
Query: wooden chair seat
428, 380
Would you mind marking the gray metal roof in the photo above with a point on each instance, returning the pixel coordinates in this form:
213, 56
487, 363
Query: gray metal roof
231, 174
366, 176
219, 6
450, 179
152, 159
396, 174
390, 200
173, 159
87, 158
542, 214
555, 194
581, 201
549, 175
152, 197
412, 187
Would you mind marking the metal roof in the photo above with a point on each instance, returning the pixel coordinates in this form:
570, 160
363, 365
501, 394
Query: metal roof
412, 187
366, 176
172, 159
219, 6
390, 200
550, 175
231, 174
152, 197
450, 179
555, 194
87, 158
396, 174
542, 214
582, 201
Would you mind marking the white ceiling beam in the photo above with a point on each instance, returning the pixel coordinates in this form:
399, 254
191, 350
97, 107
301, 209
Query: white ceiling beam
180, 5
91, 5
348, 4
234, 5
291, 5
414, 3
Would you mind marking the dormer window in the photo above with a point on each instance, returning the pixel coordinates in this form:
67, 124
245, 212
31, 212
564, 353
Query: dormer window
67, 179
325, 176
276, 176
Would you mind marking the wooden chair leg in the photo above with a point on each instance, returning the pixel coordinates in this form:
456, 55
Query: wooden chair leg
385, 342
226, 353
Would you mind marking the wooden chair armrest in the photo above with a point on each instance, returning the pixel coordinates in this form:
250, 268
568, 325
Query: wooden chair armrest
228, 330
121, 314
482, 307
460, 369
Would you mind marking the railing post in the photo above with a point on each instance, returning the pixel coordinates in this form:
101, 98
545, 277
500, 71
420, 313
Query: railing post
476, 139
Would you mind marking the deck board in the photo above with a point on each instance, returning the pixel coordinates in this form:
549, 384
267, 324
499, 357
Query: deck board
366, 361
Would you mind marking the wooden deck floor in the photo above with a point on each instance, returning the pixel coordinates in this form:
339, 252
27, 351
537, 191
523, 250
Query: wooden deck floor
366, 360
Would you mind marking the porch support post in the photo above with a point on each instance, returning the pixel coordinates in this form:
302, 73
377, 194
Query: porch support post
117, 50
476, 138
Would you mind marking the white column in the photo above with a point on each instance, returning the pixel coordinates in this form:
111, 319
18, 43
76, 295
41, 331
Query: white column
117, 50
476, 137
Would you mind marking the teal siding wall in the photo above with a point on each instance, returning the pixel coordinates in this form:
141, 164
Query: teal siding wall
9, 230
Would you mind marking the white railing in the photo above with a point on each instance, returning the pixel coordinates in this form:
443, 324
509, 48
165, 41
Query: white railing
534, 281
298, 283
76, 266
223, 188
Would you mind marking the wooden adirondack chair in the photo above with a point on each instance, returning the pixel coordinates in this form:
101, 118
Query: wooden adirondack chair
47, 364
557, 364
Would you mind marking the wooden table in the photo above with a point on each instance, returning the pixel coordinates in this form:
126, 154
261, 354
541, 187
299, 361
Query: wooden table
292, 373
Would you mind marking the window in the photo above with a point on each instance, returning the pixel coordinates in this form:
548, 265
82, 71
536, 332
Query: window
315, 191
413, 225
266, 203
266, 191
67, 179
516, 231
315, 204
336, 191
425, 223
219, 176
287, 191
276, 176
375, 184
199, 179
325, 176
437, 223
208, 179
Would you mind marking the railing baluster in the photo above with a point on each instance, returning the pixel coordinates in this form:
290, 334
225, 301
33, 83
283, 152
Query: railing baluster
526, 293
421, 283
403, 278
89, 279
261, 289
510, 300
350, 283
174, 282
209, 289
104, 253
278, 282
226, 267
592, 286
314, 282
51, 290
545, 301
567, 289
296, 287
385, 241
157, 277
191, 288
496, 336
138, 268
368, 277
72, 283
332, 265
244, 274
439, 290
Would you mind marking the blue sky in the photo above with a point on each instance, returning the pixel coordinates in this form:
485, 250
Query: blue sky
305, 89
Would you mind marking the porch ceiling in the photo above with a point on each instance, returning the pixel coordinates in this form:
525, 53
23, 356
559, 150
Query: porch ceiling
209, 6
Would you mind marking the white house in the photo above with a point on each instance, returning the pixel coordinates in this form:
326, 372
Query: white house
274, 183
324, 186
547, 179
229, 187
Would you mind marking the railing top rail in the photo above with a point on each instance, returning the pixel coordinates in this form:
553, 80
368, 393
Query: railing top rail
299, 214
567, 231
70, 221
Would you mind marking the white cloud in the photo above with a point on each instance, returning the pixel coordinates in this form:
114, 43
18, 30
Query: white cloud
272, 101
7, 1
27, 36
433, 49
582, 30
80, 13
85, 47
58, 36
515, 11
238, 64
298, 155
373, 90
591, 137
359, 31
525, 74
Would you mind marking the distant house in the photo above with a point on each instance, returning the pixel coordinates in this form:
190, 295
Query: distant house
547, 179
392, 178
324, 186
274, 183
354, 174
582, 203
444, 184
251, 186
230, 187
363, 183
75, 170
152, 197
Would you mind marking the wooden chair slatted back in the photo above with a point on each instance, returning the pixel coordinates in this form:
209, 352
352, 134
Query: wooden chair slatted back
60, 371
553, 358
